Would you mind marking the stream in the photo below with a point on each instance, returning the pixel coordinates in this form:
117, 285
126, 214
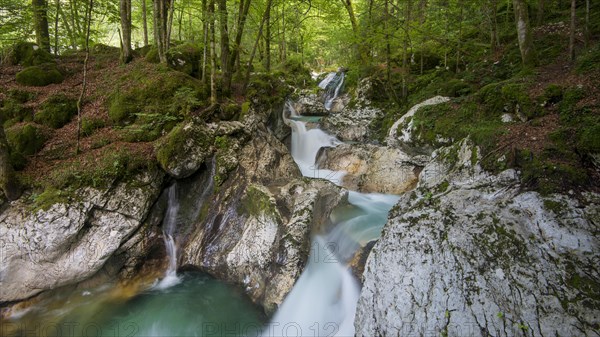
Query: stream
321, 303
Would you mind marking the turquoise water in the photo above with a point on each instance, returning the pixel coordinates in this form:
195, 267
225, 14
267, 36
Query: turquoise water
198, 306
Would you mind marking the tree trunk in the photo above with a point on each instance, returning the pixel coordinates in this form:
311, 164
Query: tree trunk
57, 3
40, 18
405, 65
243, 14
213, 54
267, 38
540, 12
362, 47
68, 28
572, 30
125, 12
205, 39
587, 23
169, 20
85, 63
264, 20
8, 181
160, 28
224, 32
144, 23
524, 33
460, 30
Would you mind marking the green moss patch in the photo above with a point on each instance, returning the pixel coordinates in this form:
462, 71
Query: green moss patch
151, 90
56, 111
91, 124
257, 202
185, 58
40, 76
24, 140
12, 112
26, 54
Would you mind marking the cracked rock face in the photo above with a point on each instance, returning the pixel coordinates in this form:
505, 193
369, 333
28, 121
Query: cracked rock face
470, 254
68, 243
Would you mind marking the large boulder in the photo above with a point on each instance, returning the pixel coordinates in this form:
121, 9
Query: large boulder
371, 168
472, 254
254, 227
70, 241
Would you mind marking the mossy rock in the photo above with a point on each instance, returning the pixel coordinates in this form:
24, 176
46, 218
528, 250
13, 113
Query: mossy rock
40, 76
229, 112
100, 49
20, 96
508, 97
12, 112
152, 55
185, 149
56, 111
553, 94
185, 57
589, 141
455, 88
27, 54
26, 139
151, 91
142, 51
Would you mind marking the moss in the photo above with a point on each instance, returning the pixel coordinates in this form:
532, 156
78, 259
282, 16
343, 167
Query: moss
91, 124
27, 54
12, 112
152, 55
20, 96
150, 90
185, 58
569, 102
518, 100
26, 139
39, 76
256, 202
245, 109
547, 176
588, 61
56, 111
589, 141
49, 197
553, 94
171, 146
99, 169
556, 207
229, 112
140, 133
455, 88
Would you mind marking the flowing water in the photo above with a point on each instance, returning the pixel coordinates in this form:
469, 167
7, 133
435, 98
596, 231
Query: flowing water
332, 84
323, 300
321, 303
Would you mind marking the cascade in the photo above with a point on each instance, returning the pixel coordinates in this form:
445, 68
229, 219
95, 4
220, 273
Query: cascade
169, 226
332, 84
323, 300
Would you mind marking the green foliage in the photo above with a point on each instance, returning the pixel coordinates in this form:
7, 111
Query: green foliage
56, 111
91, 124
171, 147
152, 55
455, 88
589, 60
229, 111
256, 202
553, 94
589, 141
508, 97
295, 73
569, 102
12, 111
40, 76
26, 54
186, 100
98, 169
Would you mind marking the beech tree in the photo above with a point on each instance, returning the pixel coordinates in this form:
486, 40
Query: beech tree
40, 17
125, 12
524, 32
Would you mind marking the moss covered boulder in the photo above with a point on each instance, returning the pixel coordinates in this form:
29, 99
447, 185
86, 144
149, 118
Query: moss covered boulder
185, 149
26, 54
24, 140
185, 58
13, 110
151, 90
40, 76
56, 111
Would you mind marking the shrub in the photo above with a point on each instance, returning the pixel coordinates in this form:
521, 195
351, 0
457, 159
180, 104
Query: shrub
89, 125
56, 111
40, 76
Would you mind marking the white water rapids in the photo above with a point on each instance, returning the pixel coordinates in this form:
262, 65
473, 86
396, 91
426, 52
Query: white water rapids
169, 225
323, 300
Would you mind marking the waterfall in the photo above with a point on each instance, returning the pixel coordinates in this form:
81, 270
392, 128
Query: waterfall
169, 226
306, 144
332, 84
323, 300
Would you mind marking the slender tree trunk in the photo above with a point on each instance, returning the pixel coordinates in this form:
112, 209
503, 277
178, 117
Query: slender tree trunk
57, 3
144, 23
243, 14
225, 52
360, 45
572, 30
283, 47
495, 42
160, 28
8, 181
205, 39
405, 64
388, 50
68, 28
540, 12
125, 12
213, 54
460, 29
587, 23
85, 63
170, 22
524, 32
40, 18
267, 38
265, 18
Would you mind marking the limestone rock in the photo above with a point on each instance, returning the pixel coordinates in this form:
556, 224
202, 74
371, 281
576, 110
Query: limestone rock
372, 168
352, 124
68, 243
470, 254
